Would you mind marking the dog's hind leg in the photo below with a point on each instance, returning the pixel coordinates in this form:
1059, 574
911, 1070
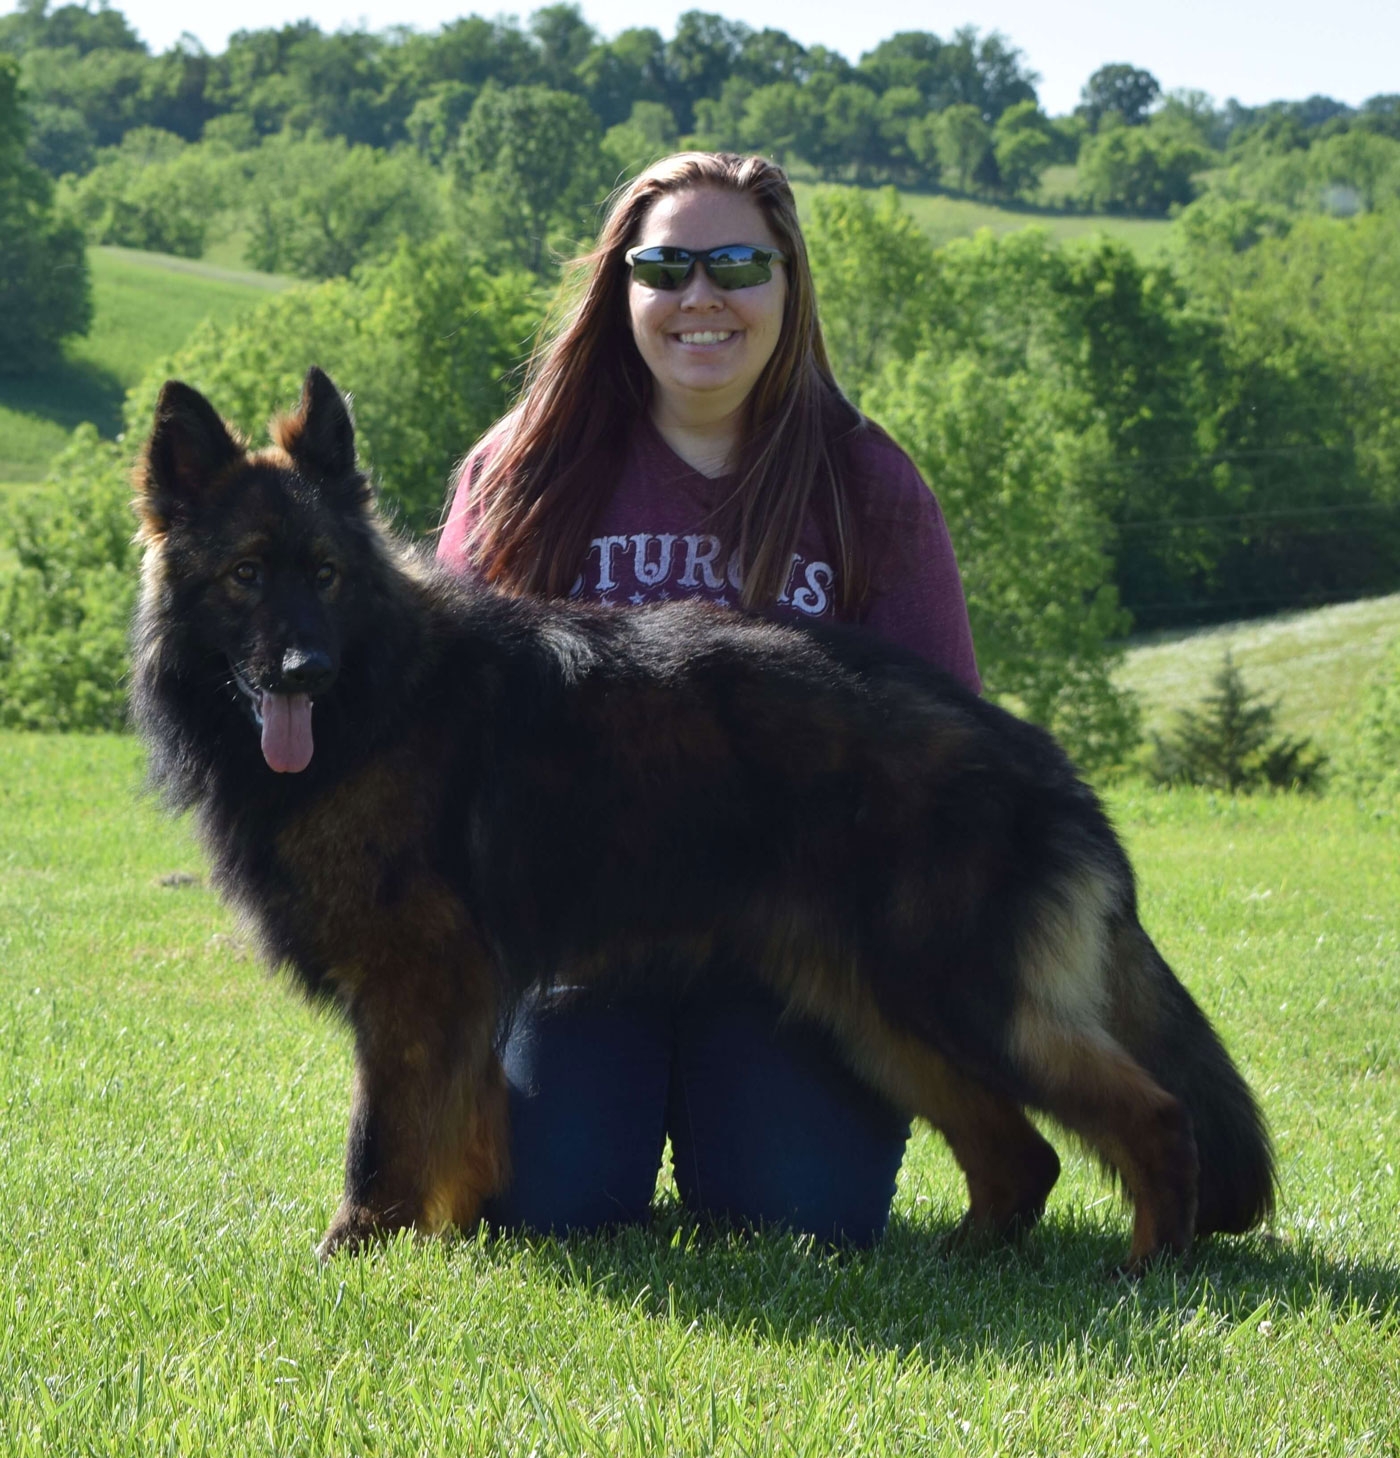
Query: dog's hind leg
1010, 1169
1067, 1062
1085, 1081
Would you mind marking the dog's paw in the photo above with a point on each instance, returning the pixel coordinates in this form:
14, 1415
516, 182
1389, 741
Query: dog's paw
972, 1236
1162, 1257
353, 1228
978, 1233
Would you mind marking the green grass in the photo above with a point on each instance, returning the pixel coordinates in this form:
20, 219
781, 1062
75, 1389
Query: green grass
171, 1124
1059, 183
148, 303
944, 217
145, 305
1314, 663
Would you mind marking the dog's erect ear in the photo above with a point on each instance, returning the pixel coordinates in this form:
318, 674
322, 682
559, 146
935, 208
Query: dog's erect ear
319, 434
189, 448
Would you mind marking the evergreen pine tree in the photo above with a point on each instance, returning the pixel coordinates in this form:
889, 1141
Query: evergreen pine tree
1229, 744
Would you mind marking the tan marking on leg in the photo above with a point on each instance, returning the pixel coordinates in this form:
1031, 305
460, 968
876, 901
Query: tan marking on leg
1010, 1169
1095, 1089
427, 1132
473, 1163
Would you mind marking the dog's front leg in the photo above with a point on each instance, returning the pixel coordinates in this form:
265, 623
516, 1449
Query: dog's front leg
427, 1140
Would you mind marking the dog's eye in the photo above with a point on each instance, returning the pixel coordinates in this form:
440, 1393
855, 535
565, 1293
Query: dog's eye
325, 574
247, 574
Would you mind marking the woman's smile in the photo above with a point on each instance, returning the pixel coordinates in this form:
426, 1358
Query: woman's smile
707, 337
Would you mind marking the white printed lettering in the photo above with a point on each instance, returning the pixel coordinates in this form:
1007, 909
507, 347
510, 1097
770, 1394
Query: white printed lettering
785, 596
813, 598
702, 560
649, 574
606, 546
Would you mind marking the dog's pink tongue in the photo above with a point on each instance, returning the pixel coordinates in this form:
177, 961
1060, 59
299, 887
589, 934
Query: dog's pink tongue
286, 732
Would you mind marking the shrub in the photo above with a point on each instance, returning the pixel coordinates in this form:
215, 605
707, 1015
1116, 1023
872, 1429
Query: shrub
426, 341
65, 609
1369, 764
44, 291
1229, 744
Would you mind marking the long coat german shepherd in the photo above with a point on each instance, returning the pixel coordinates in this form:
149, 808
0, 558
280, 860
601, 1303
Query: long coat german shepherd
429, 797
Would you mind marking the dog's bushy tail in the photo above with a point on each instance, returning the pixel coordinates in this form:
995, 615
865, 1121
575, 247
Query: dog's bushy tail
1161, 1026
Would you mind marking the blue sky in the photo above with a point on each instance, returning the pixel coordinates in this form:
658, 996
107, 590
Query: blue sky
1248, 49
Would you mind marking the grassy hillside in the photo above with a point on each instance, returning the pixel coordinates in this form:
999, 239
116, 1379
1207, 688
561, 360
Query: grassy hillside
145, 304
1313, 662
943, 218
172, 1149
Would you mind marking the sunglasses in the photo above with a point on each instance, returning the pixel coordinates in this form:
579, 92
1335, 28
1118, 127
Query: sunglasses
730, 266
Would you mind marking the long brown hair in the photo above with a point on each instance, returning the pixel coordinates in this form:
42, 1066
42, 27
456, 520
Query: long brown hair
541, 490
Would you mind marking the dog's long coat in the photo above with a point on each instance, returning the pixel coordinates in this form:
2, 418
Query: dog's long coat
428, 797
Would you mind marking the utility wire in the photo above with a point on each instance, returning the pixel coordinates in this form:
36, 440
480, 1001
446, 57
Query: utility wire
1246, 516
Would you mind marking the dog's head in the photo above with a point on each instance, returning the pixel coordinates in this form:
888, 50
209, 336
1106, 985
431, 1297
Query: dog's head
248, 552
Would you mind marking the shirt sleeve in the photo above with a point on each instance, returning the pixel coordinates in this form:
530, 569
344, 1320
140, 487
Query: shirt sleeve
462, 513
917, 598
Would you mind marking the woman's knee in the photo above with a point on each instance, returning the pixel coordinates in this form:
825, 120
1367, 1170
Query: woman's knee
587, 1084
768, 1125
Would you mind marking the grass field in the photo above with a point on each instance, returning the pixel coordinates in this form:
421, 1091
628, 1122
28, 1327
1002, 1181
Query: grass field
144, 305
1313, 663
943, 218
169, 1151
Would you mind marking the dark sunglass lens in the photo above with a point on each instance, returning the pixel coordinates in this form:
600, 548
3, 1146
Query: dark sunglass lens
739, 267
662, 268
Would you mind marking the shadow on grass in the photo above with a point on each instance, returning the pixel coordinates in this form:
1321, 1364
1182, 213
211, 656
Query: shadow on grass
1055, 1291
70, 393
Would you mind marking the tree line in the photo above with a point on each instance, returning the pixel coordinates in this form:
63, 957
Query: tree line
318, 150
916, 110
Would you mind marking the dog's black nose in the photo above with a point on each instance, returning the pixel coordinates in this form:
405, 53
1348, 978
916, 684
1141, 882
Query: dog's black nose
306, 670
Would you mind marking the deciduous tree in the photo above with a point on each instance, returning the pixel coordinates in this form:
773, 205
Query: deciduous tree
427, 341
963, 140
44, 291
1123, 92
1025, 145
530, 164
320, 207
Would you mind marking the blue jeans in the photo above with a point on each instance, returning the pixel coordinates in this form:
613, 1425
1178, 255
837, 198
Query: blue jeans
767, 1124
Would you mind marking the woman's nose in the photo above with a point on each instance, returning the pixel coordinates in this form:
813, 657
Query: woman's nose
699, 291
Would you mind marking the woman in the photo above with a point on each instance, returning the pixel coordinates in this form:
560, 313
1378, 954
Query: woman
682, 435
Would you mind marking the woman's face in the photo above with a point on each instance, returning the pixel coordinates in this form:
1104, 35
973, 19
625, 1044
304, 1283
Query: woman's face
706, 346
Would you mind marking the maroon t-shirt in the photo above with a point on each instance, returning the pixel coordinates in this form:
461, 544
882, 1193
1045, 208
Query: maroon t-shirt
651, 545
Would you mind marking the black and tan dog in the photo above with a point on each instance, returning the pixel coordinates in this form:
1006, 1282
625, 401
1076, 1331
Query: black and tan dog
428, 797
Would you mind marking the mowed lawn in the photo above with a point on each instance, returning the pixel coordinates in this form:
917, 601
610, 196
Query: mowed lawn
1313, 665
144, 306
171, 1126
945, 217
